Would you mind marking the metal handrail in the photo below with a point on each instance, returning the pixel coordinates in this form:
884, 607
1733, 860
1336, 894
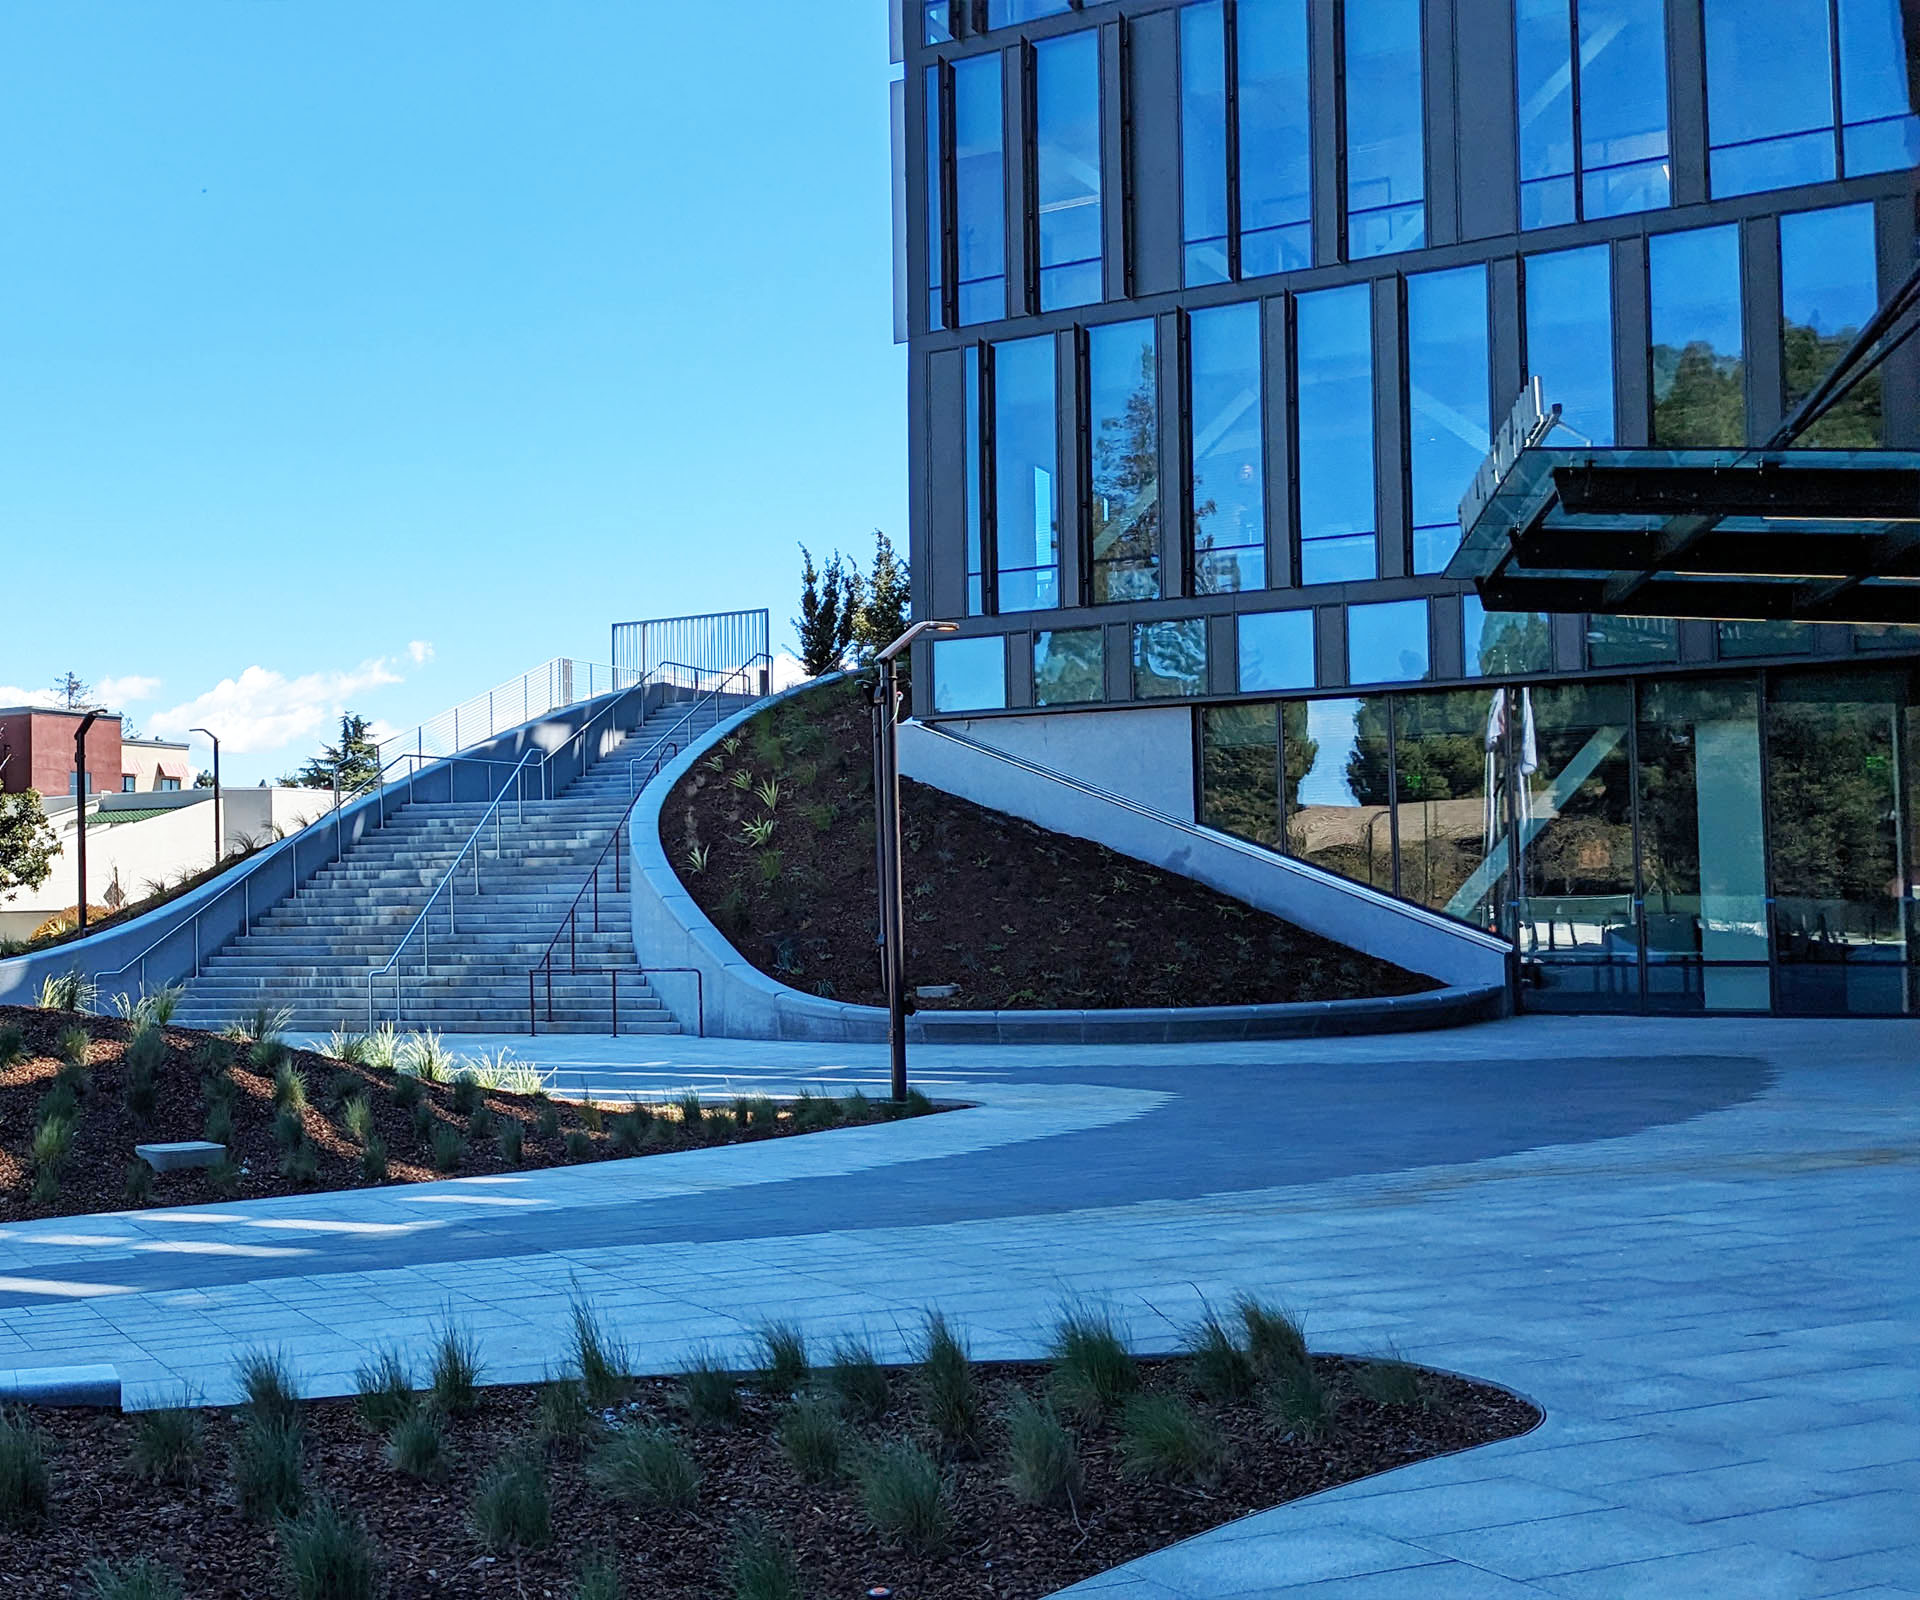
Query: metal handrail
421, 924
714, 693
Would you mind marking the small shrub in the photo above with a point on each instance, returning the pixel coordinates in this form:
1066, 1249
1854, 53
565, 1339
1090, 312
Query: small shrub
350, 1049
1275, 1339
905, 1498
356, 1116
811, 1111
916, 1104
67, 991
383, 1048
449, 1148
561, 1412
289, 1086
1164, 1438
273, 1056
62, 1101
73, 1047
646, 1468
168, 1445
599, 1359
629, 1132
1390, 1381
300, 1165
481, 1124
547, 1124
1043, 1462
947, 1389
327, 1555
1300, 1403
456, 1372
52, 1140
267, 1468
384, 1389
468, 1096
13, 1046
289, 1129
760, 1564
373, 1159
708, 1392
425, 1057
759, 1111
46, 1186
268, 1385
511, 1141
785, 1367
143, 1098
342, 1087
219, 1124
138, 1189
814, 1438
424, 1121
223, 1178
139, 1579
857, 1382
512, 1507
599, 1580
856, 1108
407, 1093
1220, 1369
24, 1478
592, 1117
579, 1145
417, 1445
1093, 1373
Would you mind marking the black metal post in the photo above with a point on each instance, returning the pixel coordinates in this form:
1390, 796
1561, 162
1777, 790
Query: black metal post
219, 835
80, 801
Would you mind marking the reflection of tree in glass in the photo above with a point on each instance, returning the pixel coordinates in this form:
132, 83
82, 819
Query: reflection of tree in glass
1835, 808
1584, 845
1238, 789
1071, 669
1171, 657
1698, 397
1514, 642
1126, 495
1854, 422
1299, 749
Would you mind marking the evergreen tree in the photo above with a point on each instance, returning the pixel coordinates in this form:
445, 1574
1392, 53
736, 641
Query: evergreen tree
356, 756
885, 603
830, 603
76, 694
27, 844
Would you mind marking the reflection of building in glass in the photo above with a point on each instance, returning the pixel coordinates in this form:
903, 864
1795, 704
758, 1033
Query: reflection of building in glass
1214, 307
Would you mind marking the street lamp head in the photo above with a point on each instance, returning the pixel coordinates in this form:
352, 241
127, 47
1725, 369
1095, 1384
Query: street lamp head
905, 641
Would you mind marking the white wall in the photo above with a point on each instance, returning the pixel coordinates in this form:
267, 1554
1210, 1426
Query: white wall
1146, 754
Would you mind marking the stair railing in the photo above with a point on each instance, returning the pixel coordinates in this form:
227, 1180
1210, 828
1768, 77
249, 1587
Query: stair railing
634, 784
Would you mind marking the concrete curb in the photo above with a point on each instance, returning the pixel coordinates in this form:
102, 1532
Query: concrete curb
97, 1387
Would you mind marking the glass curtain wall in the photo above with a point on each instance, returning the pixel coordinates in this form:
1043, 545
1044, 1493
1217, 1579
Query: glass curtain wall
1338, 787
1240, 777
1569, 328
1123, 425
1384, 104
1878, 129
1333, 361
1504, 644
1226, 501
975, 422
1829, 290
1699, 354
1275, 166
1067, 187
1448, 405
1069, 667
1026, 519
980, 189
1204, 154
1592, 87
1005, 13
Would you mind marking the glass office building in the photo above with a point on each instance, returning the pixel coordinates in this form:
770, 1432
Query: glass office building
1214, 308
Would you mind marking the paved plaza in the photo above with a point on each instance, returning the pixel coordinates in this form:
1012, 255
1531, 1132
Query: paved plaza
1692, 1243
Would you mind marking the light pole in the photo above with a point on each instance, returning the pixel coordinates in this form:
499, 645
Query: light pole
80, 801
885, 703
219, 838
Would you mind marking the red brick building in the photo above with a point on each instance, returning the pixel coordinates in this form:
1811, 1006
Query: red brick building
36, 752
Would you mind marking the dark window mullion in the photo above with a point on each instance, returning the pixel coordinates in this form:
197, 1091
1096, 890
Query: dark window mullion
1030, 176
1340, 123
989, 487
1393, 789
1230, 66
1839, 102
1578, 153
1083, 466
949, 204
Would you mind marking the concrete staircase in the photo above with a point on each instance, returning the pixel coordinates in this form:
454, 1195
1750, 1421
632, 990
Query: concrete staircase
313, 951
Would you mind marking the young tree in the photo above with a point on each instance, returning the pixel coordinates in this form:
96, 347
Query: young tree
27, 844
885, 605
76, 694
829, 606
356, 756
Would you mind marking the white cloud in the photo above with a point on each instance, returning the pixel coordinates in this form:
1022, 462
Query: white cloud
266, 710
421, 651
11, 696
124, 691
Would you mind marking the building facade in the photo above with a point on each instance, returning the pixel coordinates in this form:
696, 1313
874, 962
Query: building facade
1212, 309
37, 752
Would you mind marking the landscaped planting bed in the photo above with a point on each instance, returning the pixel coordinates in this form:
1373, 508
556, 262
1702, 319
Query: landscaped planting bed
78, 1092
772, 834
831, 1478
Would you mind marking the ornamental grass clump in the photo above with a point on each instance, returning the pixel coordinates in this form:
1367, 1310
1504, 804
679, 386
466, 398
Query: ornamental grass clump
268, 1467
138, 1187
449, 1148
73, 1047
13, 1046
267, 1382
139, 1579
1391, 1380
761, 1565
647, 1468
511, 1138
814, 1438
455, 1384
417, 1445
468, 1097
408, 1093
1093, 1373
327, 1555
708, 1393
948, 1393
356, 1117
561, 1413
289, 1088
1301, 1404
1043, 1461
857, 1382
905, 1498
599, 1580
168, 1446
373, 1159
301, 1165
512, 1505
218, 1128
384, 1391
578, 1145
1219, 1368
600, 1360
1164, 1438
784, 1366
1275, 1338
628, 1131
25, 1481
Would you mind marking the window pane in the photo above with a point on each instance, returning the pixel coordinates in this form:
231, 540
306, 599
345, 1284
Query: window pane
1543, 70
1228, 504
1765, 639
1276, 159
939, 27
1503, 644
1005, 13
1447, 398
1203, 141
1699, 370
1575, 911
1334, 329
1829, 290
1769, 94
1623, 106
1124, 423
1631, 641
1169, 658
1240, 771
1066, 91
1276, 650
1386, 138
1443, 749
980, 195
1882, 134
1570, 336
1026, 514
936, 217
970, 674
1069, 666
1339, 810
976, 566
1387, 643
1702, 857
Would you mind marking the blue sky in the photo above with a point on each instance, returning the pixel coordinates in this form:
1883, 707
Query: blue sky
367, 353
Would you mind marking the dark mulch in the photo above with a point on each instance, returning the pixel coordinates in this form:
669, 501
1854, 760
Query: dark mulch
1017, 917
1000, 1550
93, 1177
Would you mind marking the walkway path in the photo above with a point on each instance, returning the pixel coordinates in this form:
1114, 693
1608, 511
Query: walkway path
1692, 1243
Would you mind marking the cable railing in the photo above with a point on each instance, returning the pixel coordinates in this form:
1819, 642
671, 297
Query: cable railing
552, 686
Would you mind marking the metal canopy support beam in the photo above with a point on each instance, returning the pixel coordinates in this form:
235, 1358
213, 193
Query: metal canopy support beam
1766, 489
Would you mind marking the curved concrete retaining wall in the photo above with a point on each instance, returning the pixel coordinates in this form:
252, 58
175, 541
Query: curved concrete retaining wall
742, 1002
174, 944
